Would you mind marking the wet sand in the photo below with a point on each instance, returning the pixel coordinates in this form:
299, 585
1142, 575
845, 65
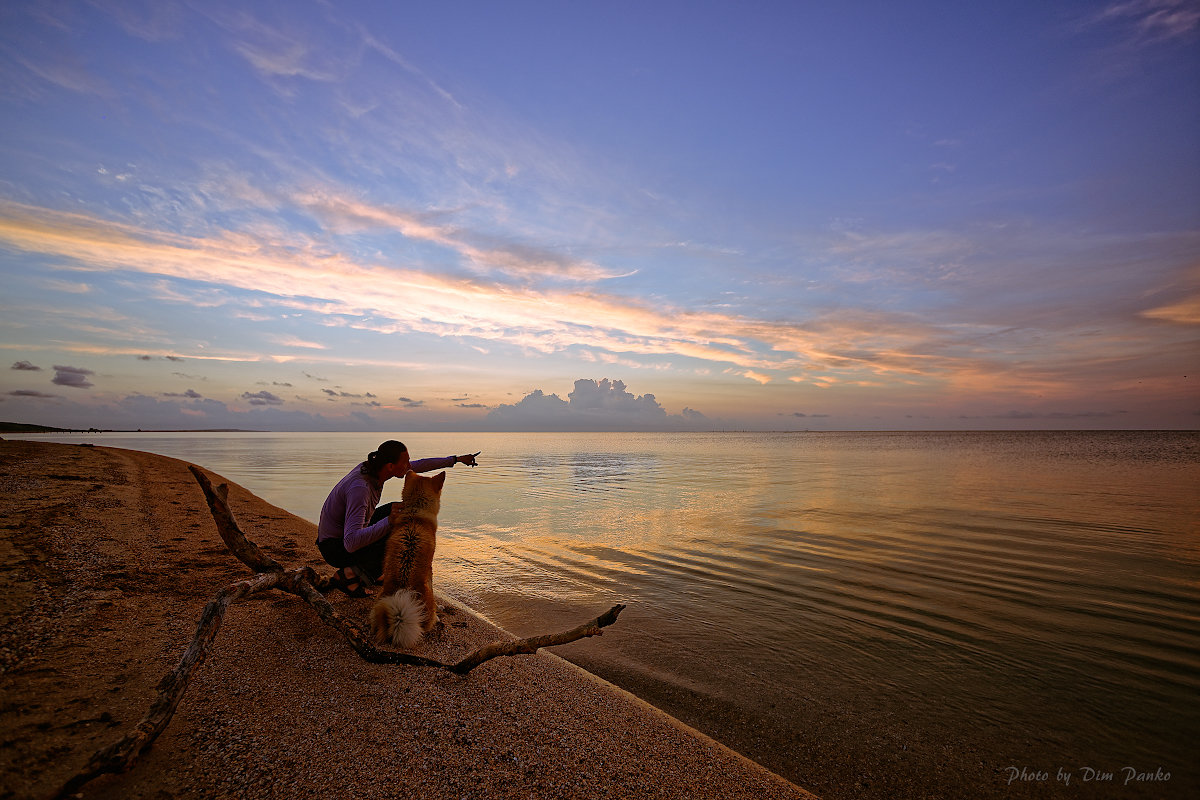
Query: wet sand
107, 558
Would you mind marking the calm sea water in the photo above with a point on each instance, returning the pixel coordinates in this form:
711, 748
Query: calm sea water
868, 614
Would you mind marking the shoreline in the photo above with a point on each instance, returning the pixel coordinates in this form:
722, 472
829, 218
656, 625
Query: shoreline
110, 556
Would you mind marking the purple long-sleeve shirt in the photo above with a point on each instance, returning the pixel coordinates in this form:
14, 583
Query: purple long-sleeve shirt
350, 505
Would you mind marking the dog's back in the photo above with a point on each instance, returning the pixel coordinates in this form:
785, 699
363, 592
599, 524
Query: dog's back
407, 608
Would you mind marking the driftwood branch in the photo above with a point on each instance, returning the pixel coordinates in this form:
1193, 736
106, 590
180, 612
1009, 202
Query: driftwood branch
246, 551
535, 643
308, 584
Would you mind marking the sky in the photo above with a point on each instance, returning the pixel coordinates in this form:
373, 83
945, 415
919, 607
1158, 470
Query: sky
374, 216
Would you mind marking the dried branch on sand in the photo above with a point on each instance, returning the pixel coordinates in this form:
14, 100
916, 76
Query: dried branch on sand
308, 584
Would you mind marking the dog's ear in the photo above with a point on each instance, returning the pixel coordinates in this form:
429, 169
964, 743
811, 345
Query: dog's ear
439, 480
409, 477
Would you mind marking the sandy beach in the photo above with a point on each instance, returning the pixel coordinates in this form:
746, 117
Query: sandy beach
108, 558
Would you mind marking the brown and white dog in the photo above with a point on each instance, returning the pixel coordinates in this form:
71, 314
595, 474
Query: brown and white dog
406, 609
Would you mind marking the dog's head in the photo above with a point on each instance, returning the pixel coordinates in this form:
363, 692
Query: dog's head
422, 493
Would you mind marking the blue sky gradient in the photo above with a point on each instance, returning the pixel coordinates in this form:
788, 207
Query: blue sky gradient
367, 216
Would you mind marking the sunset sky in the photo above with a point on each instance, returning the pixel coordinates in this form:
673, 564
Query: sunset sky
652, 215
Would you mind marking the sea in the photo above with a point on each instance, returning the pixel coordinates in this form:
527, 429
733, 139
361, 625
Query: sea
914, 614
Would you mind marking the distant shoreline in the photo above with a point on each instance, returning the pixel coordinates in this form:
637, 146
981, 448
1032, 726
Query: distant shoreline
21, 427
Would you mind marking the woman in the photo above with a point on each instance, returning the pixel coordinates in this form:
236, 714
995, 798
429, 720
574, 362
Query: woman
352, 534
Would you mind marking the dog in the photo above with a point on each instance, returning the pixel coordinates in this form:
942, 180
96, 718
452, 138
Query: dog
406, 609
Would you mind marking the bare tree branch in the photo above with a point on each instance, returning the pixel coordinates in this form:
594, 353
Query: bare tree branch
535, 643
246, 551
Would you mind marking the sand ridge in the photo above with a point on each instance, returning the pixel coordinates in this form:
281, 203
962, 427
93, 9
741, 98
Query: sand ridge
108, 557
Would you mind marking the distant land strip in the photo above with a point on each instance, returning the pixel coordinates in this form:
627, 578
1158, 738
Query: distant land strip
22, 427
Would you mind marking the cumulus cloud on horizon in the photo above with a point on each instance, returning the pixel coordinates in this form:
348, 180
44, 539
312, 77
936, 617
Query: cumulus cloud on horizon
604, 405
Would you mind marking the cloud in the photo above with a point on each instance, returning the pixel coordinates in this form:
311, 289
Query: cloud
289, 59
263, 398
31, 393
145, 357
1185, 312
480, 251
74, 377
965, 346
140, 411
1026, 415
470, 405
1154, 20
332, 393
307, 276
294, 341
25, 365
69, 287
410, 403
396, 58
154, 21
65, 71
604, 405
190, 393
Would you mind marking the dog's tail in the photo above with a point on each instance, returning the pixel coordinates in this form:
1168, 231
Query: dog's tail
399, 618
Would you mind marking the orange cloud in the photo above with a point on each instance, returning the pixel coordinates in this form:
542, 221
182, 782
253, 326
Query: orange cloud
1185, 312
298, 272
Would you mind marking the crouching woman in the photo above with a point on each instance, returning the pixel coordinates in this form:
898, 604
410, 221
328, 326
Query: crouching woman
352, 534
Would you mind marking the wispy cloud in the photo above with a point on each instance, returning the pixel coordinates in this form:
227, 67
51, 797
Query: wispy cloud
311, 276
66, 73
1186, 311
1154, 20
159, 21
484, 253
391, 55
68, 287
32, 393
276, 55
295, 341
